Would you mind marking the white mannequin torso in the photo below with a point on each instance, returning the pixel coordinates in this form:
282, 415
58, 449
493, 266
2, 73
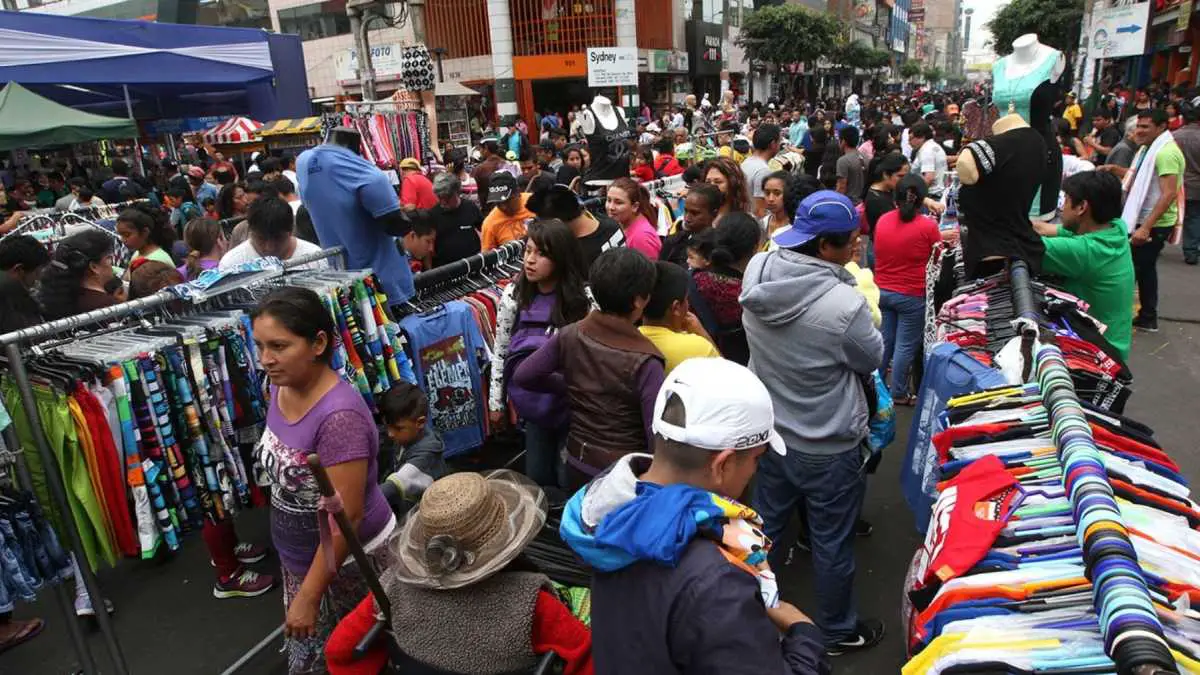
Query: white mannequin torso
1028, 53
601, 112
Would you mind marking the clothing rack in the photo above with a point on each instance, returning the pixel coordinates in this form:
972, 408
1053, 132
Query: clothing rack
1026, 317
435, 278
1133, 634
12, 343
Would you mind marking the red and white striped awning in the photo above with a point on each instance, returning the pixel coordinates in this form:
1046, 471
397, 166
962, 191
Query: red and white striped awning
232, 130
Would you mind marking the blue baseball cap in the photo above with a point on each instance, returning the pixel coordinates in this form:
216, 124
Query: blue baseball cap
822, 212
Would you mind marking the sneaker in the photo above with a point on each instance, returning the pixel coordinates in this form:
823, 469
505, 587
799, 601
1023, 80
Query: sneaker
83, 606
248, 554
1148, 325
867, 633
863, 529
248, 584
1191, 259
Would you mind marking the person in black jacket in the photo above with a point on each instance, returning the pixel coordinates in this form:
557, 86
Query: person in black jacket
681, 580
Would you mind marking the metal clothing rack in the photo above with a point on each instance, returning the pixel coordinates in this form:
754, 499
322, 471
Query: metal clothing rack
12, 342
432, 279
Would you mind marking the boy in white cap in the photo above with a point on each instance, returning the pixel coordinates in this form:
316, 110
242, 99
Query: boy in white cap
664, 534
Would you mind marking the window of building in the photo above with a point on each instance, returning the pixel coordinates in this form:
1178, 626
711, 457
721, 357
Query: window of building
315, 21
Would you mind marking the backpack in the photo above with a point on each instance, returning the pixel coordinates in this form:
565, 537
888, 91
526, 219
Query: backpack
533, 329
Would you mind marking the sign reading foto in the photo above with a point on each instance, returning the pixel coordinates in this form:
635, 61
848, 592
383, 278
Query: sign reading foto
612, 66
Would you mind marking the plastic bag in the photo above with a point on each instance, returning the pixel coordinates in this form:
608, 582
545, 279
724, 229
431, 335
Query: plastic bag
882, 427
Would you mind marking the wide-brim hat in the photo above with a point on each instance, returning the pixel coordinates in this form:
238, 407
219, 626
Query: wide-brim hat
467, 527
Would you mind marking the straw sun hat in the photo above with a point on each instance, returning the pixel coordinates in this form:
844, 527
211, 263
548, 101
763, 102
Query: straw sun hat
467, 527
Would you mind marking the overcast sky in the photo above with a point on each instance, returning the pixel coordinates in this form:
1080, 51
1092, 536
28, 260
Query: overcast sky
984, 10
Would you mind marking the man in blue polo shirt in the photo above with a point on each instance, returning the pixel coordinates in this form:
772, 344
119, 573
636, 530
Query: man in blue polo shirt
353, 204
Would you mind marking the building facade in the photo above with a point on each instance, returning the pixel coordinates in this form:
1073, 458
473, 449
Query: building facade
943, 26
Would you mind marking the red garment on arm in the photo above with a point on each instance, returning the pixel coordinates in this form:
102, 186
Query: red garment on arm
339, 648
554, 629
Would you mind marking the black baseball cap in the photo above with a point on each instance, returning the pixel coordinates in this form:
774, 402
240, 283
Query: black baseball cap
502, 187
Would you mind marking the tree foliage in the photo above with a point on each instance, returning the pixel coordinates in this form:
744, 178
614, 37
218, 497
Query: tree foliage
933, 74
783, 34
910, 69
1056, 22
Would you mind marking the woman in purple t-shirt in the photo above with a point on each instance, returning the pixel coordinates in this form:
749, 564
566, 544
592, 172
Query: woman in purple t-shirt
313, 410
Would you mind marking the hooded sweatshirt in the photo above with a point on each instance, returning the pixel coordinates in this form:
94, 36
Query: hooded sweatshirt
697, 612
811, 338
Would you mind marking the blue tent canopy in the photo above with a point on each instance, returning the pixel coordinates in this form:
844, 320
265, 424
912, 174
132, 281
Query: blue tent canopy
167, 68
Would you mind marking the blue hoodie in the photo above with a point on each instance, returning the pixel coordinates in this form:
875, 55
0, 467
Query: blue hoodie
665, 600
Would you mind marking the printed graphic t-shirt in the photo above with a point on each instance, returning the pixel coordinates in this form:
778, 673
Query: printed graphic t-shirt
447, 352
339, 429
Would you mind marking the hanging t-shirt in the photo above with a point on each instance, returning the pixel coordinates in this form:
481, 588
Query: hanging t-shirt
345, 195
995, 210
609, 149
448, 352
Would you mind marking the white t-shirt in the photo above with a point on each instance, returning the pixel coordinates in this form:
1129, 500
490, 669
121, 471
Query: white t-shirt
244, 252
755, 170
931, 158
291, 175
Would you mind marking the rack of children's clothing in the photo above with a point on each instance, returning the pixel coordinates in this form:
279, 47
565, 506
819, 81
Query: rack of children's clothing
449, 327
390, 130
982, 336
51, 227
1062, 540
161, 412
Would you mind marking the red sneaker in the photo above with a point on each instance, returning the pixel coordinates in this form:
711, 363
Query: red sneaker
249, 553
248, 584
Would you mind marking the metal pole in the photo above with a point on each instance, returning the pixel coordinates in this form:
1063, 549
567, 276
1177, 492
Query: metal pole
366, 69
86, 661
137, 145
58, 493
245, 658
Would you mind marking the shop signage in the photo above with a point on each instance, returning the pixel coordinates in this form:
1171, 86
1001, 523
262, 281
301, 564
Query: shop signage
181, 125
612, 66
384, 58
704, 47
1118, 32
666, 61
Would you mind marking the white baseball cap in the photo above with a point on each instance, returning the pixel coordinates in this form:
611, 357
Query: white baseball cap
727, 407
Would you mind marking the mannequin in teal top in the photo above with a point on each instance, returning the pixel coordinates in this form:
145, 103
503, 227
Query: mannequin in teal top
1026, 83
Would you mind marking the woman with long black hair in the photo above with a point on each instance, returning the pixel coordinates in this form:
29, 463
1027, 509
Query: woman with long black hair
550, 292
80, 277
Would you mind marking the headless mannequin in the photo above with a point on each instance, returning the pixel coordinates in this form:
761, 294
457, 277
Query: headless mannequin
397, 223
1029, 55
601, 111
608, 135
968, 172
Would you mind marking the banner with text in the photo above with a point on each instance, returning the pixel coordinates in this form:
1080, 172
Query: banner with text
1119, 31
612, 66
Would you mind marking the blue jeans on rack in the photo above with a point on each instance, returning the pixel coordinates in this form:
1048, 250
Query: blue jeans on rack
903, 328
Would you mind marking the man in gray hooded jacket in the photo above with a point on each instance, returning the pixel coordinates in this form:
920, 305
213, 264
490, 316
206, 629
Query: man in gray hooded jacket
812, 342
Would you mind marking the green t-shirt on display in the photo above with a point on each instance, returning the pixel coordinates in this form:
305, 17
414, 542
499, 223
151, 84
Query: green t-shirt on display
1098, 267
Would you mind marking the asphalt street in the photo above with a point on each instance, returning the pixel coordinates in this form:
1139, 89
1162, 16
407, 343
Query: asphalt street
168, 622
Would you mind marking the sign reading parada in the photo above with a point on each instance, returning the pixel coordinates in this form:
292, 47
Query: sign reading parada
612, 66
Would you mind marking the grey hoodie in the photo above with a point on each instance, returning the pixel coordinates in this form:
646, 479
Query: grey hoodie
811, 337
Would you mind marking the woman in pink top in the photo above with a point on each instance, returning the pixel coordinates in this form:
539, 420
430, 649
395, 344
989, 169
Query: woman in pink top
629, 204
904, 240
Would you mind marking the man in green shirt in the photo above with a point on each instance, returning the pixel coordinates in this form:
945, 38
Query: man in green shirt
1158, 211
1091, 251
